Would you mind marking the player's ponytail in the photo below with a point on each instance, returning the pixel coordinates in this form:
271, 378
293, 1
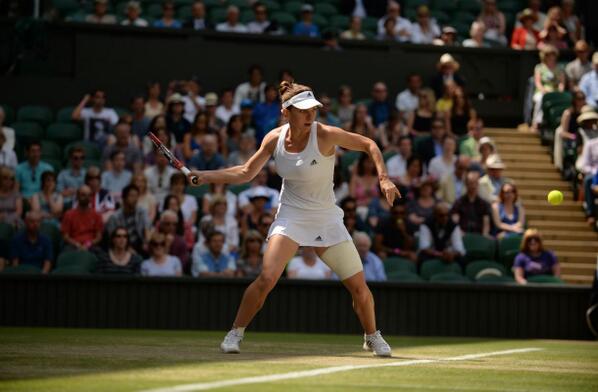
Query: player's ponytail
288, 90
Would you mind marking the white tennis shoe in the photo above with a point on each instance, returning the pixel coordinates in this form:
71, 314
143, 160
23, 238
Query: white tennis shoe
376, 343
230, 344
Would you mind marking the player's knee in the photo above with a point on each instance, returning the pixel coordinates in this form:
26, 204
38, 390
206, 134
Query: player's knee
361, 294
266, 282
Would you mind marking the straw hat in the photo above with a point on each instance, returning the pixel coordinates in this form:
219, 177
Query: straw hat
447, 59
486, 141
527, 14
494, 162
587, 115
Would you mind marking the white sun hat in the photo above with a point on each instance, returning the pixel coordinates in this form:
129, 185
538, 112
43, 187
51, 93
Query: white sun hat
304, 100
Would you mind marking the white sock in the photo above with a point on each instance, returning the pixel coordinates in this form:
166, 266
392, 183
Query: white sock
370, 335
239, 330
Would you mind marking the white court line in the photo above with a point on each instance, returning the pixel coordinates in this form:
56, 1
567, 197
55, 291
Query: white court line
204, 386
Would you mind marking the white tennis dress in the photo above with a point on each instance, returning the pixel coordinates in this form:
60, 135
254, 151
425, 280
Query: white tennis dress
307, 212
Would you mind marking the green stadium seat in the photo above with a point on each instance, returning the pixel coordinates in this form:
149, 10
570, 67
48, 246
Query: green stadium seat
9, 114
321, 21
473, 6
78, 259
53, 232
51, 150
347, 159
121, 111
66, 6
55, 163
26, 132
121, 8
442, 18
464, 17
154, 10
238, 188
39, 114
555, 98
92, 151
449, 277
462, 29
494, 279
545, 279
77, 16
184, 13
22, 269
186, 3
411, 14
399, 264
415, 3
293, 7
388, 154
508, 248
241, 4
64, 133
340, 22
271, 5
476, 269
64, 115
6, 231
70, 270
509, 6
369, 35
401, 276
479, 247
325, 9
433, 267
246, 16
197, 191
418, 140
92, 162
212, 3
448, 6
370, 24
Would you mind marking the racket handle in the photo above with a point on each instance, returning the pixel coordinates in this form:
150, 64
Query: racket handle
186, 172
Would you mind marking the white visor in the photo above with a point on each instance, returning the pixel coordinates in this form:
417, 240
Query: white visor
304, 100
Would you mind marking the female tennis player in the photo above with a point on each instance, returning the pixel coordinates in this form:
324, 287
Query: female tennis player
304, 153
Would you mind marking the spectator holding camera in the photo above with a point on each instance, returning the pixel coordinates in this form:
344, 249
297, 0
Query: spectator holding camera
98, 119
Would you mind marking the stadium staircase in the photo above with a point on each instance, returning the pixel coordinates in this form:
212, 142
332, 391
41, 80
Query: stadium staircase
563, 227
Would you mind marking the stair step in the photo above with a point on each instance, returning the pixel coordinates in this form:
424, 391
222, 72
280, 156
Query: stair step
564, 245
569, 235
570, 226
578, 268
501, 132
523, 148
543, 205
547, 174
572, 256
540, 194
546, 185
512, 140
554, 214
578, 279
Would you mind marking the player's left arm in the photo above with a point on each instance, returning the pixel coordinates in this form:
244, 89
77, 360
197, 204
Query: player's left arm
334, 136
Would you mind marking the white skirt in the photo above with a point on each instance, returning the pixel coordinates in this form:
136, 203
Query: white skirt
319, 228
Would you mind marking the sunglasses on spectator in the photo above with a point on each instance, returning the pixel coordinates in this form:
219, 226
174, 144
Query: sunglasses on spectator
121, 235
78, 157
533, 239
93, 177
157, 244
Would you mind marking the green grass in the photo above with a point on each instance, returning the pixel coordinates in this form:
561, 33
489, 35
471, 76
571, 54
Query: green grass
36, 359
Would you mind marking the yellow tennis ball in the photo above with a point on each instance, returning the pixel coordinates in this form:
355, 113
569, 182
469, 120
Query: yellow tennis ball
555, 197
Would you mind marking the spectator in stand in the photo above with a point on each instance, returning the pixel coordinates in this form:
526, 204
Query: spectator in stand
176, 123
214, 262
184, 229
354, 31
29, 173
507, 214
259, 185
553, 36
98, 120
124, 144
392, 237
526, 37
570, 20
251, 219
452, 186
118, 177
554, 21
146, 200
306, 27
419, 121
11, 202
260, 24
397, 165
245, 151
589, 167
491, 183
470, 145
402, 26
445, 103
380, 108
548, 77
160, 262
431, 147
539, 16
325, 115
254, 88
211, 105
198, 19
101, 200
48, 201
389, 33
444, 164
345, 106
220, 191
140, 123
330, 38
486, 149
264, 223
193, 140
153, 105
8, 158
82, 226
577, 68
390, 132
589, 84
494, 22
158, 176
208, 158
362, 122
266, 114
168, 224
440, 237
349, 207
425, 29
567, 136
533, 259
100, 15
476, 36
470, 211
30, 247
120, 258
364, 182
132, 12
250, 261
223, 222
232, 24
132, 217
227, 106
308, 266
194, 102
247, 116
167, 20
373, 268
448, 37
460, 114
408, 100
230, 137
413, 176
188, 203
448, 69
9, 134
421, 207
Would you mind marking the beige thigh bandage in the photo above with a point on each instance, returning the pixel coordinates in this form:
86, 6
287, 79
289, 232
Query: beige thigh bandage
343, 259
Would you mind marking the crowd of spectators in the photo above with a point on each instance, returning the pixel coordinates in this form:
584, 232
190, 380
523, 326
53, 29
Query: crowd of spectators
137, 214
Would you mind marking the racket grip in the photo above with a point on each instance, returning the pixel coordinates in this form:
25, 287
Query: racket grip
186, 172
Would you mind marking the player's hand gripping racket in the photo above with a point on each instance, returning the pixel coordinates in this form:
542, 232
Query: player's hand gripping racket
171, 158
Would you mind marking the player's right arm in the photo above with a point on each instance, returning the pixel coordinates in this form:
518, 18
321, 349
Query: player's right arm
242, 173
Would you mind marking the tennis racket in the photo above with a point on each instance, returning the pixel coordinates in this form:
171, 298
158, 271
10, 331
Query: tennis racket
171, 158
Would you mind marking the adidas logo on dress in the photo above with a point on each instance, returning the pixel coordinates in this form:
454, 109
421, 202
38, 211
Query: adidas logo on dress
319, 238
314, 162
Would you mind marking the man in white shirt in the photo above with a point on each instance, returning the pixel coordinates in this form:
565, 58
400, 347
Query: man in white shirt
100, 15
252, 89
580, 66
193, 101
158, 177
397, 165
425, 30
8, 157
227, 107
9, 133
407, 100
402, 25
198, 17
308, 266
261, 22
231, 25
259, 185
98, 120
132, 11
589, 84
